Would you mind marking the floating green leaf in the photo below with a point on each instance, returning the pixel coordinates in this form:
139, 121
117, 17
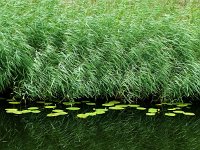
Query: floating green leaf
62, 113
178, 111
170, 114
73, 108
123, 105
116, 108
91, 103
141, 108
14, 103
100, 109
26, 111
91, 113
171, 109
182, 105
49, 107
114, 102
100, 112
17, 112
152, 110
150, 114
108, 104
11, 109
52, 114
57, 110
189, 113
35, 111
82, 115
33, 108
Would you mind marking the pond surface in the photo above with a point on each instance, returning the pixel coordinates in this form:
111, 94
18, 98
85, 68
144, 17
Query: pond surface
124, 129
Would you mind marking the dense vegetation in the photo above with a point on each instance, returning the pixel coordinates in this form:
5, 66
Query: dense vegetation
81, 48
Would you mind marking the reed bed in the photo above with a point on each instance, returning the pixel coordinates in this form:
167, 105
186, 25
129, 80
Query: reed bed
119, 48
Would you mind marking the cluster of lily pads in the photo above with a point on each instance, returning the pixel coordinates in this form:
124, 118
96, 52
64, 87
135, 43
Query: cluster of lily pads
112, 105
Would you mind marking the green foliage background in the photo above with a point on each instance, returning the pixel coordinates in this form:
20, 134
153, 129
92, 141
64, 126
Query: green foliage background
81, 48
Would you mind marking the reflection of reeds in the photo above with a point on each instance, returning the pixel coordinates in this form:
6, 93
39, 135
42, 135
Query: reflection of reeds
121, 48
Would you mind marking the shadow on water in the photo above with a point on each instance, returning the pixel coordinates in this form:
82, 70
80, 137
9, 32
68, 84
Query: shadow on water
116, 130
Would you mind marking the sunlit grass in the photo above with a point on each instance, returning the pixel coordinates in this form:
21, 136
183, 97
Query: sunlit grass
124, 48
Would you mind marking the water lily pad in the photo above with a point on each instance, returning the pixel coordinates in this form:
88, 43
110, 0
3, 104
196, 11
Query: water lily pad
178, 111
141, 108
123, 105
50, 107
100, 112
189, 113
182, 105
33, 108
116, 108
11, 112
133, 105
91, 103
100, 109
11, 109
35, 111
26, 111
73, 108
82, 115
57, 110
62, 113
91, 113
170, 114
52, 115
150, 114
108, 104
171, 109
14, 103
17, 112
152, 110
114, 102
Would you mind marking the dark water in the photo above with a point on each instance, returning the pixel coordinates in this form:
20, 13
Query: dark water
128, 129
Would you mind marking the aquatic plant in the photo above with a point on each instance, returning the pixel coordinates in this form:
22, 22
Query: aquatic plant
127, 49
